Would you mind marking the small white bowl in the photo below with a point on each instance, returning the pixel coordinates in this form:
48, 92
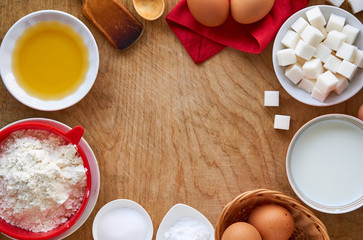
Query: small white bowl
122, 203
356, 83
7, 48
177, 212
324, 163
95, 173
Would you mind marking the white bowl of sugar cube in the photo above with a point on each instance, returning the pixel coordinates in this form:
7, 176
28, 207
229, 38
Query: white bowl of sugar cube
318, 55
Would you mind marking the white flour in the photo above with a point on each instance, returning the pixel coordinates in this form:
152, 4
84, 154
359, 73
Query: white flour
187, 228
42, 181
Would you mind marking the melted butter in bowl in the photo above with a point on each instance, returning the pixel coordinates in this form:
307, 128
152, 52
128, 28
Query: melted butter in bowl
49, 60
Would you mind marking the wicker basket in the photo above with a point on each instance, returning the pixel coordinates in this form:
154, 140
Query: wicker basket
307, 225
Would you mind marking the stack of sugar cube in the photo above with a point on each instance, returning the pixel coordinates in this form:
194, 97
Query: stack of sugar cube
356, 5
320, 56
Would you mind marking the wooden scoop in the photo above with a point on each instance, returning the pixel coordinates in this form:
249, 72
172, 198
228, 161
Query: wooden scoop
149, 9
114, 21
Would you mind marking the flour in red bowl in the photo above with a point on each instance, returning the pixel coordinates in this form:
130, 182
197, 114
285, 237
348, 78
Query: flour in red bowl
42, 180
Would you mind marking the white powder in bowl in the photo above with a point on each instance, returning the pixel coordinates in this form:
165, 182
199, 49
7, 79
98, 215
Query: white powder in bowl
42, 180
187, 228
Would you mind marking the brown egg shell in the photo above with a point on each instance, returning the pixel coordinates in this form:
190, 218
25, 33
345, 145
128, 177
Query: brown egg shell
241, 231
247, 11
360, 112
210, 13
273, 221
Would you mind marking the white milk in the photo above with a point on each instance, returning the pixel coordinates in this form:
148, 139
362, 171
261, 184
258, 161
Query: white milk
327, 162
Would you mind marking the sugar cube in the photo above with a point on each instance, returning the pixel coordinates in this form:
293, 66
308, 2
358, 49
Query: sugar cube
299, 25
318, 94
335, 23
316, 17
286, 57
312, 35
356, 5
351, 33
337, 3
346, 51
332, 63
307, 85
282, 122
294, 73
334, 39
347, 69
290, 39
313, 68
358, 60
304, 50
341, 85
339, 77
322, 52
271, 99
326, 82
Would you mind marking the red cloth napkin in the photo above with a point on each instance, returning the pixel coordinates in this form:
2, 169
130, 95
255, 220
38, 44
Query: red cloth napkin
202, 42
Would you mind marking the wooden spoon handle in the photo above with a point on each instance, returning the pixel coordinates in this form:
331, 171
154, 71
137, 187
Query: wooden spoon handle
114, 21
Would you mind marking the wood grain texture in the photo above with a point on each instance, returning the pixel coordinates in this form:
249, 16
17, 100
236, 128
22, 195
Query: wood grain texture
167, 131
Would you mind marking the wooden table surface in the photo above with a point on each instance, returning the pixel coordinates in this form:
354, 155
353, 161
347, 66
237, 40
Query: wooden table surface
166, 131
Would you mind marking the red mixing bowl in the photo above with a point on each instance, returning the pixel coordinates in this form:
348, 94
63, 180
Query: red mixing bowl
73, 136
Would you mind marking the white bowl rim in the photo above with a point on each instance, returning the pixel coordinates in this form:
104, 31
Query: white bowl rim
95, 172
7, 46
123, 203
290, 88
317, 206
178, 211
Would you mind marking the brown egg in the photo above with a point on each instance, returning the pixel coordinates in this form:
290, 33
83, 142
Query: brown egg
241, 231
250, 11
211, 13
360, 112
274, 222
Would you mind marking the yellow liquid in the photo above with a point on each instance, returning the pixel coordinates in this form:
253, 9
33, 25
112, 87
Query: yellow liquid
50, 60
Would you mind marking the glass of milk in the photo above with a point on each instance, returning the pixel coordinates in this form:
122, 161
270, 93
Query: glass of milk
324, 163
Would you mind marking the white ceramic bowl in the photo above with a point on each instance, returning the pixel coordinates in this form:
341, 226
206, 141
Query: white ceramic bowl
7, 47
324, 163
95, 173
122, 203
179, 211
356, 83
